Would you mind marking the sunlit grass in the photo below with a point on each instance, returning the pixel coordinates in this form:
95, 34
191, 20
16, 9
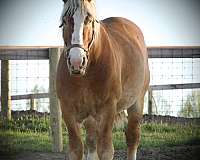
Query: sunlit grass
162, 135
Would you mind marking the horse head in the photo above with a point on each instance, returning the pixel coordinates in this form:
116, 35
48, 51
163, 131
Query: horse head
79, 32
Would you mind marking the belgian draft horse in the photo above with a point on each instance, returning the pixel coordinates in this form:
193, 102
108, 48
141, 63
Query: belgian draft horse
102, 71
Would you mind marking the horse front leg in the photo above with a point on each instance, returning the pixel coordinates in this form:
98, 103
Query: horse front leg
105, 147
75, 142
133, 129
91, 138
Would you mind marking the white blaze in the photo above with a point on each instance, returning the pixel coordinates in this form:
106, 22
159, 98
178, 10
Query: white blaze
76, 53
77, 36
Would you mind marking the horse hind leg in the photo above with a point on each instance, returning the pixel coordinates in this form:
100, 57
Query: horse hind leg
133, 129
91, 136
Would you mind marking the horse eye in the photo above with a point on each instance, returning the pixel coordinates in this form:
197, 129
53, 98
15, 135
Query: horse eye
64, 21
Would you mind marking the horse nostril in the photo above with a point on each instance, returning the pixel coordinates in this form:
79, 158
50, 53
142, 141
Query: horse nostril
83, 63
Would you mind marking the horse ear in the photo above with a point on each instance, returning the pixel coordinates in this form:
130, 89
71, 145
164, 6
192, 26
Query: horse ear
65, 1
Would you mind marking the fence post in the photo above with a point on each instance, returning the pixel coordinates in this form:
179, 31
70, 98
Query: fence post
5, 90
55, 111
150, 101
32, 103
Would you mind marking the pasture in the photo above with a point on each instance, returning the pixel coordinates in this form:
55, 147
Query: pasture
27, 136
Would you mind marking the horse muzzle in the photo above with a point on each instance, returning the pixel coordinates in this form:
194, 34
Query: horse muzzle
77, 69
77, 65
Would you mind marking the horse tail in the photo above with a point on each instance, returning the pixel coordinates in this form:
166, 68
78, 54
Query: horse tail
120, 120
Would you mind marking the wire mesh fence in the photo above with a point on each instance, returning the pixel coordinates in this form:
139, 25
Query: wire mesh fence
29, 77
180, 102
32, 76
176, 102
174, 70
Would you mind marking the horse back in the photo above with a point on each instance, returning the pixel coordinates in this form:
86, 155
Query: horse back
122, 29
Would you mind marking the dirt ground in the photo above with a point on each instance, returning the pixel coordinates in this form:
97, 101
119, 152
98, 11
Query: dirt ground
173, 153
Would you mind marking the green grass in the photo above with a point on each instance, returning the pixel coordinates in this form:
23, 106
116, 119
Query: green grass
27, 124
15, 141
162, 135
33, 134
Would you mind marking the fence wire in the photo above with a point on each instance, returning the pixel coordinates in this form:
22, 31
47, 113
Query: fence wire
176, 102
29, 77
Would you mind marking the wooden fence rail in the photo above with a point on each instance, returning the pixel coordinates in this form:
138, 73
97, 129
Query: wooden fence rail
43, 53
175, 86
24, 54
174, 52
152, 88
31, 97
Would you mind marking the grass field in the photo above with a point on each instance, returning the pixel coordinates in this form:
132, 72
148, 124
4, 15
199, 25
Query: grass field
33, 134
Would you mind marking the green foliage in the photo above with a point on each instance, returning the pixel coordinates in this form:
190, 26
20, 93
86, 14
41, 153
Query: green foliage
160, 104
15, 141
38, 89
27, 124
119, 139
39, 102
191, 107
163, 135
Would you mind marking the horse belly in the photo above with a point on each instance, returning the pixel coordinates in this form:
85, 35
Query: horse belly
128, 99
85, 108
131, 91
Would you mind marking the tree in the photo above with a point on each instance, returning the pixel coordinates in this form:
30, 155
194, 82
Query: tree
191, 108
160, 104
40, 103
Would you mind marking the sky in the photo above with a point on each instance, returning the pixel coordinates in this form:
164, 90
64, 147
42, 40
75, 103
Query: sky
163, 22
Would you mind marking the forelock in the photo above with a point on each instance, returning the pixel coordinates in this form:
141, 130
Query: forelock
71, 6
90, 7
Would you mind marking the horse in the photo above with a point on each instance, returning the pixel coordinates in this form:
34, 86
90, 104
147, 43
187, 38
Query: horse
102, 71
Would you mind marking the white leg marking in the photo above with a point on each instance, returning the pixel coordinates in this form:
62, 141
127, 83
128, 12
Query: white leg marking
133, 156
92, 156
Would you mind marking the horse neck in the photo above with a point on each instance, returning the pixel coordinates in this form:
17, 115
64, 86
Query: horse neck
100, 45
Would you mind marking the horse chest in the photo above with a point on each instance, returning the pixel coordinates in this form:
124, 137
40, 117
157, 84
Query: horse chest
85, 102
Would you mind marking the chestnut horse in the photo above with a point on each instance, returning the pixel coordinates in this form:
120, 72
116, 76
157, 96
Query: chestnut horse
102, 71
